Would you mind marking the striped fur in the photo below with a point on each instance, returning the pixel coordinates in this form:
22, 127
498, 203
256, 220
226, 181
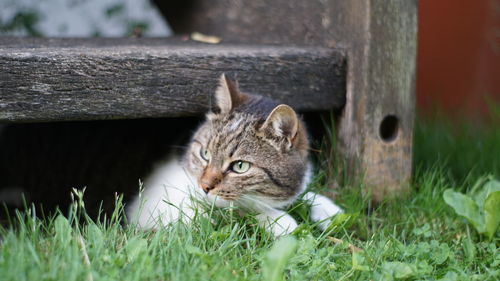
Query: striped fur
248, 127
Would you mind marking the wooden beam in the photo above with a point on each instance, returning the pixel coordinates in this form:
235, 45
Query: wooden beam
84, 79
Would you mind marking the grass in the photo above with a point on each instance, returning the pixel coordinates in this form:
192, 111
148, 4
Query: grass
417, 237
465, 149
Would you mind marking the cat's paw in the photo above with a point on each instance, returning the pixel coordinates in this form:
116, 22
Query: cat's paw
322, 209
277, 222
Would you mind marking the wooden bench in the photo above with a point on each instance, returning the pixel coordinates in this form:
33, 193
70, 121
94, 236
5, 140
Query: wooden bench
355, 57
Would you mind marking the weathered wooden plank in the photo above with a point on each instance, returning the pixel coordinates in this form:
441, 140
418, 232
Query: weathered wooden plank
376, 124
83, 79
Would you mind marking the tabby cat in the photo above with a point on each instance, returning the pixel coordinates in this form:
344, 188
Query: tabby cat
251, 153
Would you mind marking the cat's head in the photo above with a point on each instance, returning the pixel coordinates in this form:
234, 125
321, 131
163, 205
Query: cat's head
250, 148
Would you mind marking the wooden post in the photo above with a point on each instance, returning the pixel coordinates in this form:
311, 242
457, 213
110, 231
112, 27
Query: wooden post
376, 125
379, 38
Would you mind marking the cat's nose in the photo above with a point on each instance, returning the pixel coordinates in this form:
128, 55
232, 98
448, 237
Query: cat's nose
206, 187
210, 179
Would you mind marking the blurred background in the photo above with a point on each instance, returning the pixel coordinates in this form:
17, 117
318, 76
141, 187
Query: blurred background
458, 47
458, 60
81, 18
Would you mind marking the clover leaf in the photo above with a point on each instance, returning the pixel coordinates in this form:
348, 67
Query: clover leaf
483, 210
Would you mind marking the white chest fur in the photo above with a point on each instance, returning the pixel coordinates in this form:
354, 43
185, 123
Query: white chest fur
166, 196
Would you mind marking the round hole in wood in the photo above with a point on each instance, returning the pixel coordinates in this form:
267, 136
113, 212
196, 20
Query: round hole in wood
389, 128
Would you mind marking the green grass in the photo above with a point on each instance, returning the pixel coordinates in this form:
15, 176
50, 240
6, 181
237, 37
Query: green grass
465, 149
417, 237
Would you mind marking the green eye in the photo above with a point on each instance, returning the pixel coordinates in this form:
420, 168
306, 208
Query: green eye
240, 167
205, 154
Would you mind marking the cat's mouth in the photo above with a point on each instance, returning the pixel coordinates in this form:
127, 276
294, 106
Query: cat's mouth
220, 198
219, 193
214, 189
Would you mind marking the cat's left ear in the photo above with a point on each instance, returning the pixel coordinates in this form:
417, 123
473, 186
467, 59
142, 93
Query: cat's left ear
228, 95
282, 122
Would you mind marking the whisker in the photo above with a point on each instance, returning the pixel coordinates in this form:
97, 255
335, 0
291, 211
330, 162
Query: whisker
179, 146
258, 203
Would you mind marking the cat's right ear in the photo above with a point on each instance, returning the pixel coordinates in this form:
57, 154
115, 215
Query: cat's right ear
227, 95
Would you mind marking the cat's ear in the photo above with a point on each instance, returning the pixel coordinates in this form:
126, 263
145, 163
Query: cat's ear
228, 95
282, 122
